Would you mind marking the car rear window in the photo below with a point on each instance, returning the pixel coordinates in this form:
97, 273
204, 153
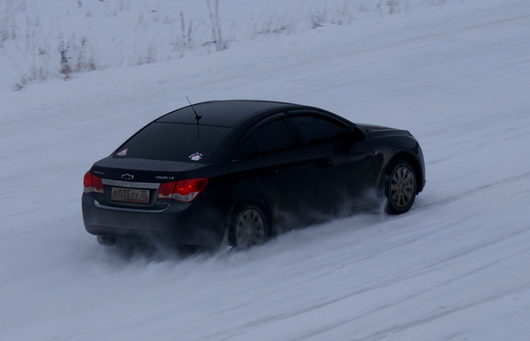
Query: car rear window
173, 142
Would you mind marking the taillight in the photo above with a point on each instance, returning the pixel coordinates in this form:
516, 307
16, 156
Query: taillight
182, 190
92, 183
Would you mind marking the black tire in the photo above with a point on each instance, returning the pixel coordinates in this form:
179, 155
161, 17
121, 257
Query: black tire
249, 226
401, 185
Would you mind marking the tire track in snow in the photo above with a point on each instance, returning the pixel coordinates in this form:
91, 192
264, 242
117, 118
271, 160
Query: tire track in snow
404, 299
475, 190
445, 312
424, 270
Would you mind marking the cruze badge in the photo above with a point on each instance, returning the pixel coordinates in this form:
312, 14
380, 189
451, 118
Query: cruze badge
127, 176
195, 156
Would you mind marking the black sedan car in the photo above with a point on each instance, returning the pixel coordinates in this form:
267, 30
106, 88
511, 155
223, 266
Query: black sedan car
241, 171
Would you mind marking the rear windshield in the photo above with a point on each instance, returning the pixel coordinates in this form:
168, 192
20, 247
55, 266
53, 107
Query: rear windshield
173, 142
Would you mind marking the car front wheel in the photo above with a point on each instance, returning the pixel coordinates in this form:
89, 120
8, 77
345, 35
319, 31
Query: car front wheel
401, 187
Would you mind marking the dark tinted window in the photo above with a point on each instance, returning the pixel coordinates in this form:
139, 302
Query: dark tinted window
173, 142
273, 136
247, 147
315, 130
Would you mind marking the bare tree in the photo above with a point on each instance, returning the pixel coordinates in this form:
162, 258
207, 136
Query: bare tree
215, 25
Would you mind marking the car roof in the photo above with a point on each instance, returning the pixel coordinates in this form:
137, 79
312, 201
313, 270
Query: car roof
223, 113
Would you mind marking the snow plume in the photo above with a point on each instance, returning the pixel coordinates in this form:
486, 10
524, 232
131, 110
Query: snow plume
369, 204
57, 39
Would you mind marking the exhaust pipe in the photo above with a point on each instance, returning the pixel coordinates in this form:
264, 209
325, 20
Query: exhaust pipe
106, 240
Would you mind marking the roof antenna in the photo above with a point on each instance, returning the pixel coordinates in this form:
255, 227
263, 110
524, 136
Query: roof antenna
197, 116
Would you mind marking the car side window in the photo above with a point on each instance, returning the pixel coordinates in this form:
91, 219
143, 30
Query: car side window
316, 130
272, 136
247, 147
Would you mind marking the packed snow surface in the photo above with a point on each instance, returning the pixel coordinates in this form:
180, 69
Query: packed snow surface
456, 267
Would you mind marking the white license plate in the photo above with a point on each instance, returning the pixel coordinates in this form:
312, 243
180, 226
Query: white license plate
130, 195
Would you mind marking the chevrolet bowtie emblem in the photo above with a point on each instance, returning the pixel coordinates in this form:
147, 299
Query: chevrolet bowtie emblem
127, 176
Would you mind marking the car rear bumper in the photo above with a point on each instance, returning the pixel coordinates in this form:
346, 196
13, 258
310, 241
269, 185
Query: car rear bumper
193, 224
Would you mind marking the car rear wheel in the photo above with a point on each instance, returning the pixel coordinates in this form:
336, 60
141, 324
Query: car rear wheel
249, 227
401, 187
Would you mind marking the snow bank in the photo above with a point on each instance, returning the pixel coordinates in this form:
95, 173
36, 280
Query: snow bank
43, 39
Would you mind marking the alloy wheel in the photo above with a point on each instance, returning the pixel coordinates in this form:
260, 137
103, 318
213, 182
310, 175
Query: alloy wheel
250, 228
402, 186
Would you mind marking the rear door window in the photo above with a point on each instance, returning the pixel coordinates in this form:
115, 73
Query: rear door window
173, 142
273, 136
269, 137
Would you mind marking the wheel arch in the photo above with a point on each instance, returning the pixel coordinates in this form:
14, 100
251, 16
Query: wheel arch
412, 160
239, 203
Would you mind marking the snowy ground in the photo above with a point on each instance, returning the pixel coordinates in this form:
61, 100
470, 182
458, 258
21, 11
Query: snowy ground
454, 268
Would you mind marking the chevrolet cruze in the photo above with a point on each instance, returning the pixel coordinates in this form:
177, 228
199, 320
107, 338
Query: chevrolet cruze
241, 171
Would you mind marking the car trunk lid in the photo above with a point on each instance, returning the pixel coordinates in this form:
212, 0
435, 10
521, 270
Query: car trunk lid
134, 183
